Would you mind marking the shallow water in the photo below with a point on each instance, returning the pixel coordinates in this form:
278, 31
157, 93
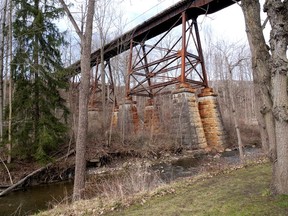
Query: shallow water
34, 199
182, 167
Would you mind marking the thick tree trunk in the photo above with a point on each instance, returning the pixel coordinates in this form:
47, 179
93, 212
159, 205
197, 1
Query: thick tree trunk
277, 13
80, 167
261, 75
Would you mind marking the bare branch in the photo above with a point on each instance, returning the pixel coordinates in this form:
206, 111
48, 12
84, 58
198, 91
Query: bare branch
264, 23
237, 2
78, 31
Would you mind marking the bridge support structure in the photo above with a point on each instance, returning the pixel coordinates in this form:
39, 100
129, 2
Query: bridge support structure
128, 120
154, 68
95, 99
151, 118
211, 120
180, 65
186, 122
179, 69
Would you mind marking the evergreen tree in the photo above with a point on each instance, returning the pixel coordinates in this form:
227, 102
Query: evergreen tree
38, 127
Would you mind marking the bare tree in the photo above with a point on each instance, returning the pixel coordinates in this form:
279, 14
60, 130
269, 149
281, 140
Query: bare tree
2, 44
270, 75
86, 38
6, 55
233, 56
9, 45
104, 18
277, 14
261, 75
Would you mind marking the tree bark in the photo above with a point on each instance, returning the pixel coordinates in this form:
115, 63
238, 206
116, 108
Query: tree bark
86, 39
9, 145
80, 167
277, 14
2, 36
261, 75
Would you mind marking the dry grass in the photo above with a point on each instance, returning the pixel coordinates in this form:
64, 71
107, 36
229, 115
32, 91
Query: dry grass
239, 190
125, 183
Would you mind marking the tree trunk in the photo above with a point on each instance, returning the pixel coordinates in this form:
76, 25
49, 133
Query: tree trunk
234, 114
261, 75
2, 36
80, 167
9, 145
277, 13
103, 85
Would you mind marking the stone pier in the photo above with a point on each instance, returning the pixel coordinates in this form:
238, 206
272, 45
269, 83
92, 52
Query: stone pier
151, 118
211, 119
186, 121
128, 119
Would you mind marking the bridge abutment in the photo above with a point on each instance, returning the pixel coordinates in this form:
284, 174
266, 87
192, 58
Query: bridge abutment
186, 122
211, 119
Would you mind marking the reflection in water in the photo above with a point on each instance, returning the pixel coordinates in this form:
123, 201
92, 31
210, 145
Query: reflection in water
34, 198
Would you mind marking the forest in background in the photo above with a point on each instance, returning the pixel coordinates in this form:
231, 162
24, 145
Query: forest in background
220, 57
34, 119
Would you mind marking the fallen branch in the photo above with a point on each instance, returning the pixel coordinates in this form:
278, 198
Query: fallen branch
4, 192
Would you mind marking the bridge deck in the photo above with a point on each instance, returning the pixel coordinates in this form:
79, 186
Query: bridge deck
157, 25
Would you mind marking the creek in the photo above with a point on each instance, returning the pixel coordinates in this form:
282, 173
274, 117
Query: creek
41, 197
34, 199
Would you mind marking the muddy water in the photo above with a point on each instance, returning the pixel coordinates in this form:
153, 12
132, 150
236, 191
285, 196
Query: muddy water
34, 199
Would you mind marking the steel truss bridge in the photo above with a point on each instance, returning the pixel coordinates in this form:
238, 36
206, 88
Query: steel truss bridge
154, 65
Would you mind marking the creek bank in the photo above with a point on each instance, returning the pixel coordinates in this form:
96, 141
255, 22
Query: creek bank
211, 166
169, 166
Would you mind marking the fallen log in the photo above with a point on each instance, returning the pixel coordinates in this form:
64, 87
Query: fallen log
9, 189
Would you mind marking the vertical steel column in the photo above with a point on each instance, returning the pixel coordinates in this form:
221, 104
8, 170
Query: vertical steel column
183, 50
147, 71
129, 69
200, 52
112, 82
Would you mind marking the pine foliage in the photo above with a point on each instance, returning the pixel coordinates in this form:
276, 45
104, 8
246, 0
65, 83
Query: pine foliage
39, 112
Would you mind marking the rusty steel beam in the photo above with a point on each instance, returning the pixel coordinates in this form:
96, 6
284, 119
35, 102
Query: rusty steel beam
155, 26
145, 76
183, 50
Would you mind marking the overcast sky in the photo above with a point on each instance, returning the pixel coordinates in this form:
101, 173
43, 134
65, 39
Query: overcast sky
227, 23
